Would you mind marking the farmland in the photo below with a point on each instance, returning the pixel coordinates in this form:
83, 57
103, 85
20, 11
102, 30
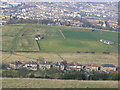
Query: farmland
88, 35
59, 43
71, 45
53, 83
82, 58
57, 38
20, 37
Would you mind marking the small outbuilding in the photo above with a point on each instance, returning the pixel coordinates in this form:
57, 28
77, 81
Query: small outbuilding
38, 37
107, 42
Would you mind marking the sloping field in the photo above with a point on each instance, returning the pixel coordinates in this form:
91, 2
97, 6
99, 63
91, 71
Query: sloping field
20, 37
81, 58
53, 83
89, 35
70, 45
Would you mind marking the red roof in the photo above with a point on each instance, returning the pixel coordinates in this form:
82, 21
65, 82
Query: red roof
92, 65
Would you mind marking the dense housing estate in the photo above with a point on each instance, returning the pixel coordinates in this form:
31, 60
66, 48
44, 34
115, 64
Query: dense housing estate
78, 14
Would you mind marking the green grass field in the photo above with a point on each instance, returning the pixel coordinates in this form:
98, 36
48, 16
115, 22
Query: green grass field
53, 83
59, 41
88, 35
57, 38
70, 45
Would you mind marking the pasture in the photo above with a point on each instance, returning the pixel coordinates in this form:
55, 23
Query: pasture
20, 37
82, 58
88, 35
59, 43
70, 45
53, 83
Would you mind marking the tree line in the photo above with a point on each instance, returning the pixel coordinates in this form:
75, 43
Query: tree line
58, 74
15, 20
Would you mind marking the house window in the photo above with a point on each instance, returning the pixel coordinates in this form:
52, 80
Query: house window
29, 66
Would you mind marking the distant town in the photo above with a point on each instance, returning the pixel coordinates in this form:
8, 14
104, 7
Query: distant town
78, 14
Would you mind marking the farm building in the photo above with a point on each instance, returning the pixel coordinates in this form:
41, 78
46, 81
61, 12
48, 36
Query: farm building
16, 65
74, 66
38, 37
31, 65
108, 67
107, 42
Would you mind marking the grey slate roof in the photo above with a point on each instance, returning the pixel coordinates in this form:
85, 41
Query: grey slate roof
108, 65
16, 63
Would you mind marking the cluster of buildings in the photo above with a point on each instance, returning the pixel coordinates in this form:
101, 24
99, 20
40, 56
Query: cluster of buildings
62, 12
44, 65
107, 42
38, 37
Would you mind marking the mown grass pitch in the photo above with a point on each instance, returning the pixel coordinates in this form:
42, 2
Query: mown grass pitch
53, 83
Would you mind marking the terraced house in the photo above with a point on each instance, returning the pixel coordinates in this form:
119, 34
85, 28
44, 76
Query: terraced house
31, 65
91, 67
108, 67
58, 65
15, 65
74, 66
45, 65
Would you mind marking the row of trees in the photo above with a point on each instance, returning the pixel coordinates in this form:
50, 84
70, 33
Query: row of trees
49, 21
58, 74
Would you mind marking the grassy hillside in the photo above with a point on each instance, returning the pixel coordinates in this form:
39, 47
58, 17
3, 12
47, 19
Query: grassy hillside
81, 58
89, 35
70, 45
57, 38
49, 83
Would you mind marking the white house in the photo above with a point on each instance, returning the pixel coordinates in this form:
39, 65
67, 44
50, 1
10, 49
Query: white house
31, 65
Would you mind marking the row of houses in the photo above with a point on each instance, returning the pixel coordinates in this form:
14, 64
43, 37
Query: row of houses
107, 42
32, 65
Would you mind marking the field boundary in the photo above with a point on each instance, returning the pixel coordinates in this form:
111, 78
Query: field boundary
62, 34
61, 57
